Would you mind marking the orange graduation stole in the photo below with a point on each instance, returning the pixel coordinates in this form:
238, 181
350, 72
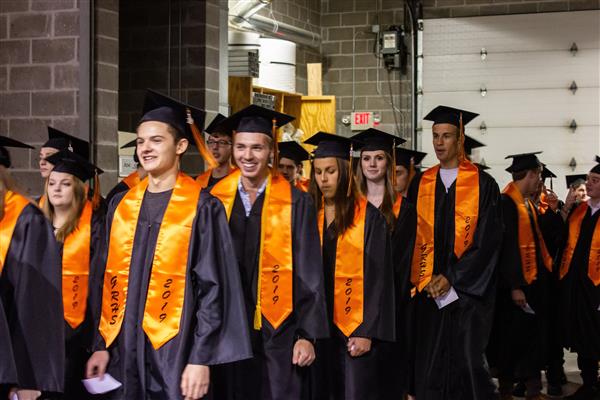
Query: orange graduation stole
203, 178
527, 246
42, 201
348, 292
76, 268
274, 299
575, 221
14, 204
166, 290
132, 179
466, 214
397, 205
302, 184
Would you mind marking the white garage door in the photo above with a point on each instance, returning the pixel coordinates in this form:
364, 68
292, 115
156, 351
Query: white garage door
520, 86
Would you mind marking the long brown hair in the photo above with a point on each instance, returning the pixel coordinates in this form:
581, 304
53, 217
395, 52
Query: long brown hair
6, 183
389, 195
344, 205
79, 199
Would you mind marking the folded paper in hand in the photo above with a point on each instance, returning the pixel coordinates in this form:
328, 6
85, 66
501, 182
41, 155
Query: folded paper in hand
101, 385
446, 299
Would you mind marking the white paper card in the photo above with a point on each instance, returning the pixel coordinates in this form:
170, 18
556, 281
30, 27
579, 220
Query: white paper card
99, 386
527, 308
14, 397
446, 299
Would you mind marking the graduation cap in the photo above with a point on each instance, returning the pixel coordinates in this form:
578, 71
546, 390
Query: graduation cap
9, 142
129, 145
72, 163
456, 117
182, 117
293, 151
482, 167
524, 161
213, 127
546, 173
575, 180
596, 169
60, 140
330, 145
373, 139
471, 144
404, 156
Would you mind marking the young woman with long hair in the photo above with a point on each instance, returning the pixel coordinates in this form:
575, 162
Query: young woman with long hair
29, 294
356, 251
78, 226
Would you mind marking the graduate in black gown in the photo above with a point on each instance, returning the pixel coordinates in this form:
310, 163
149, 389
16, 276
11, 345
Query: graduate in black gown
376, 176
291, 157
580, 287
275, 235
8, 370
130, 180
525, 272
30, 291
171, 303
449, 340
219, 144
79, 229
359, 277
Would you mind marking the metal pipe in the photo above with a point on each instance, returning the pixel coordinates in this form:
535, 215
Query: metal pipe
244, 9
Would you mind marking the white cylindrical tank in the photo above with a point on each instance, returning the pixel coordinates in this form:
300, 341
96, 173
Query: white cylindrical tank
277, 64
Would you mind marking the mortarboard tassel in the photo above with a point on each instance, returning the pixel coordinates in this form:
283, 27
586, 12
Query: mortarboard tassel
96, 195
411, 171
275, 170
206, 155
461, 140
394, 163
350, 171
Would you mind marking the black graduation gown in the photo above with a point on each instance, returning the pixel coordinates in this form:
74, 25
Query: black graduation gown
8, 370
79, 341
337, 375
118, 188
30, 292
395, 372
449, 343
520, 340
270, 374
579, 298
211, 296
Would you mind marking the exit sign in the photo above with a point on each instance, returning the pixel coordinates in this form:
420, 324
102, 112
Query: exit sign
361, 120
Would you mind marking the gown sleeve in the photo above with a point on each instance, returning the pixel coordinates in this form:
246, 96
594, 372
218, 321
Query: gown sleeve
30, 287
221, 332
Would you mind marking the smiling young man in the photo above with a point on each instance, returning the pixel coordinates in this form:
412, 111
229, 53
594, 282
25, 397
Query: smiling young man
219, 144
454, 258
276, 240
579, 274
171, 303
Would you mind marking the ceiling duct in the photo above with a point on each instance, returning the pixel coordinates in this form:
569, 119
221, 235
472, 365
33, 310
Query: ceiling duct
243, 17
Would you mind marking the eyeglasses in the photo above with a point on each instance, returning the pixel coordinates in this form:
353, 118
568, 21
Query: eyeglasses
219, 143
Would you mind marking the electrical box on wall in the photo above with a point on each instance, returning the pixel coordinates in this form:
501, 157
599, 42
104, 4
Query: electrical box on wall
393, 50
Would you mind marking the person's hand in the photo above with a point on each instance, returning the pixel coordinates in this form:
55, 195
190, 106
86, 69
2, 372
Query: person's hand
304, 353
551, 199
358, 346
96, 365
570, 200
25, 394
518, 297
194, 381
438, 286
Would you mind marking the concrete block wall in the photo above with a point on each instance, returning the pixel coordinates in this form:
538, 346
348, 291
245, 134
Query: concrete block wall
39, 77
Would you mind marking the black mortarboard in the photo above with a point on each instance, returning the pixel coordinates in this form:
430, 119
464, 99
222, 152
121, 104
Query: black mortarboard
330, 145
161, 108
524, 161
449, 115
577, 179
131, 144
294, 151
74, 164
213, 127
254, 119
471, 144
9, 142
63, 141
374, 139
546, 173
403, 157
482, 167
596, 168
